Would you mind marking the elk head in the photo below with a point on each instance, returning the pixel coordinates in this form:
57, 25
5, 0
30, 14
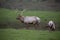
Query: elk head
20, 17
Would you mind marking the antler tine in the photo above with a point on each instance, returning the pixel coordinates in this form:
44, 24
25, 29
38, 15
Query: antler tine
17, 11
23, 11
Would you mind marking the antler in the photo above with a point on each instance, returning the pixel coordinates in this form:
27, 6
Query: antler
23, 11
20, 13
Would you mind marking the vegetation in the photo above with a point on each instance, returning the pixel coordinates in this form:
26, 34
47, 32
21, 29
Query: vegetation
8, 17
13, 34
8, 20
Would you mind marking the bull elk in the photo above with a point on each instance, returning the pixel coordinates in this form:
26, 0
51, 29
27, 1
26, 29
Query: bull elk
28, 19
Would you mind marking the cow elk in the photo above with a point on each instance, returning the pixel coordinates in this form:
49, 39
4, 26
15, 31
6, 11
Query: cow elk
51, 26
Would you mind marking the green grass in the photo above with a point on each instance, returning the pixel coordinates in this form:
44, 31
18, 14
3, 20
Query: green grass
8, 17
13, 34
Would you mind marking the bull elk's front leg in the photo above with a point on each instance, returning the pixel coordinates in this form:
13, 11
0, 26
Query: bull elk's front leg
35, 25
27, 25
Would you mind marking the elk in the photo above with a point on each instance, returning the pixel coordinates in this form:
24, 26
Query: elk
28, 19
51, 25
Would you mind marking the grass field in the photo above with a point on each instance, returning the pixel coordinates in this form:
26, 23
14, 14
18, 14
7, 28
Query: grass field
13, 34
8, 17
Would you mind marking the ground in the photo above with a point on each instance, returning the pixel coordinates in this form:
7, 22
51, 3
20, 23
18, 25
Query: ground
8, 17
8, 23
21, 34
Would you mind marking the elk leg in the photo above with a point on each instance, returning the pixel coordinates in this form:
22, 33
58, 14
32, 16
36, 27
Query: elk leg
35, 26
27, 26
49, 29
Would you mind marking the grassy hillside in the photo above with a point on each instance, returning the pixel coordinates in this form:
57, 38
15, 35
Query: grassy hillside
13, 34
8, 17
